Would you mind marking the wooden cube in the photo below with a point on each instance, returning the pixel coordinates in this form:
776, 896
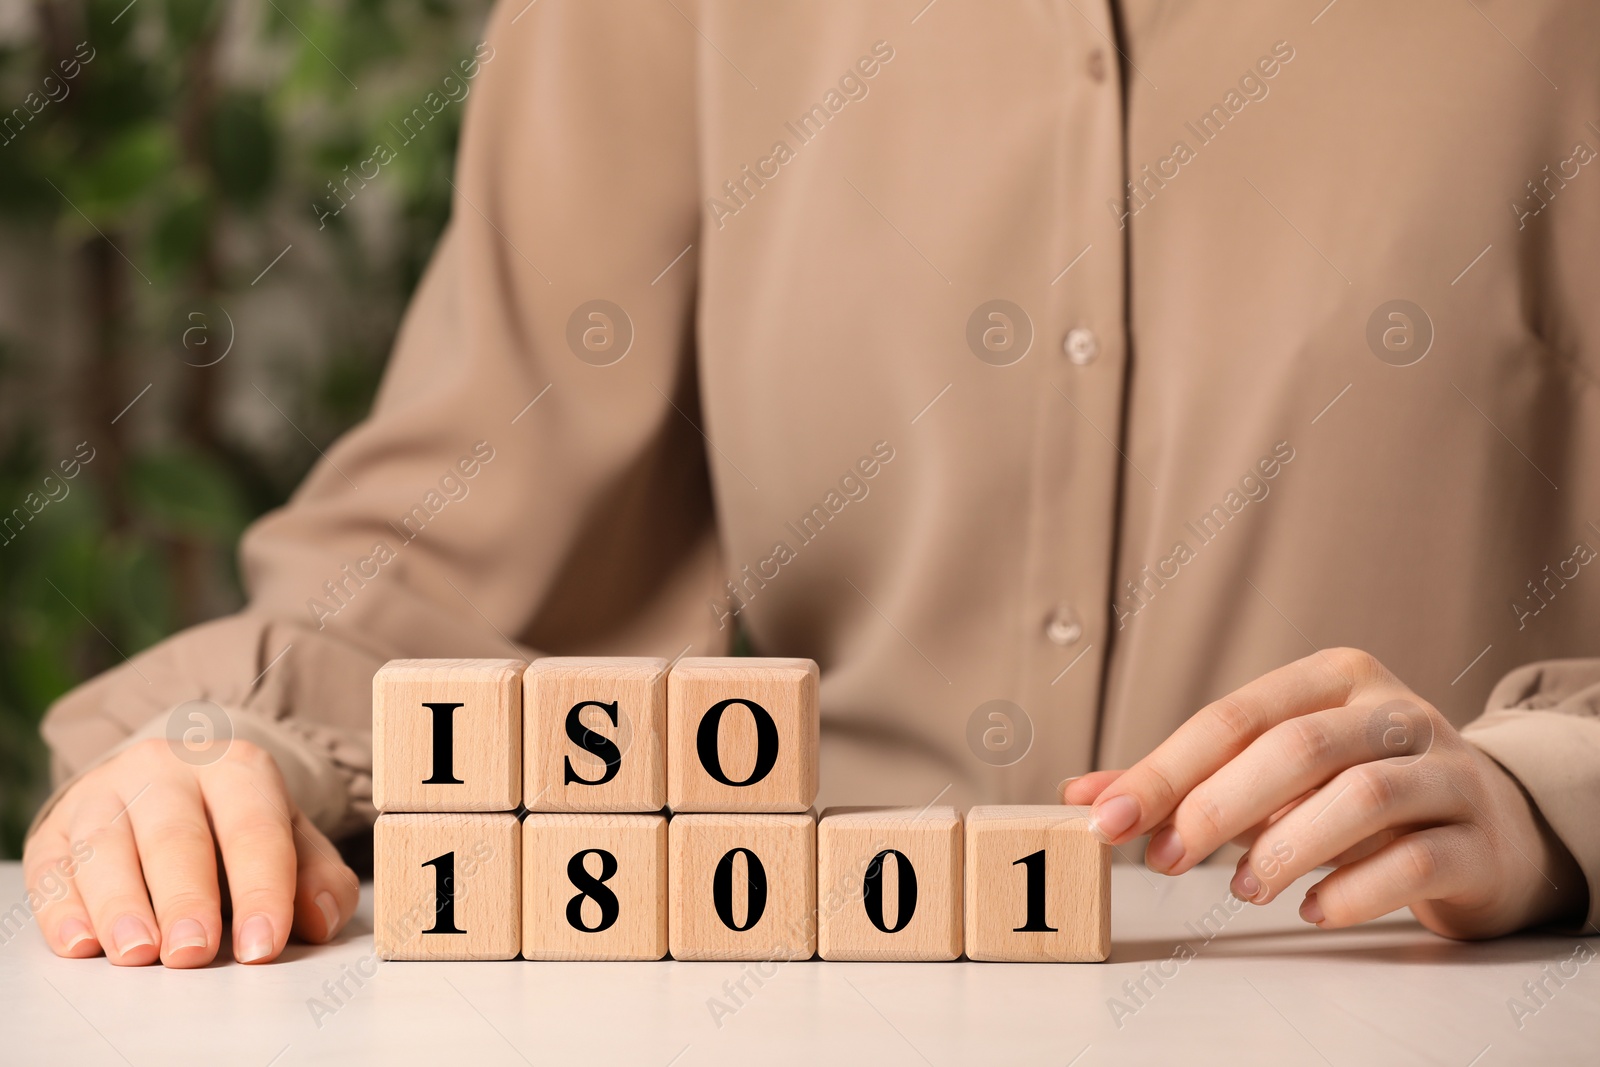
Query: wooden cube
447, 735
594, 734
889, 884
445, 886
742, 735
742, 887
594, 887
1038, 885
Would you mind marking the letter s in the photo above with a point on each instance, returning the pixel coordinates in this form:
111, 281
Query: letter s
597, 745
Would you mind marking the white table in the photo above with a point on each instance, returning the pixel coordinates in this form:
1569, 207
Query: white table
1264, 989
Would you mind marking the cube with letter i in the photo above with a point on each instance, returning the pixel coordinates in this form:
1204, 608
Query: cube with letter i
742, 735
447, 735
889, 884
594, 734
1038, 885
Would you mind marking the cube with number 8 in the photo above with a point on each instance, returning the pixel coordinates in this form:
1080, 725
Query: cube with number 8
594, 887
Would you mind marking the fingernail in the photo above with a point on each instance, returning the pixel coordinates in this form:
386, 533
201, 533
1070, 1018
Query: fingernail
1115, 817
330, 912
1310, 910
1165, 850
1061, 786
186, 933
129, 933
255, 939
73, 933
1245, 887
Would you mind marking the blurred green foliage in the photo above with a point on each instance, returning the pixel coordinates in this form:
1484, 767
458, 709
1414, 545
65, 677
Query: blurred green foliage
154, 158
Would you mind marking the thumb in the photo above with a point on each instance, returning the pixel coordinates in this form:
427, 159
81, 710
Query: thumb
1085, 788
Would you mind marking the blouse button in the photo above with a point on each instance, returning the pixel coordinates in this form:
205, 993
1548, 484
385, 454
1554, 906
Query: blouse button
1081, 346
1097, 65
1063, 627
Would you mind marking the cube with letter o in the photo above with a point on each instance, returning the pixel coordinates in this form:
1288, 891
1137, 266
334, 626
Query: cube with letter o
742, 735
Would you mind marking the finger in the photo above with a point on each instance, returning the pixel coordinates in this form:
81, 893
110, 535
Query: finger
112, 883
1084, 788
1358, 803
1247, 836
1244, 839
1282, 765
180, 871
1147, 794
1439, 863
1365, 848
326, 889
50, 866
250, 815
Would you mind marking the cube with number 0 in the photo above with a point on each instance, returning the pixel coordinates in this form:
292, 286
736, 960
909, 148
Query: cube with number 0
742, 887
889, 884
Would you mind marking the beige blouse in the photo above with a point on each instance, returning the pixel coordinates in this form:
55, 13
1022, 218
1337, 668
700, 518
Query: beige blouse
1041, 392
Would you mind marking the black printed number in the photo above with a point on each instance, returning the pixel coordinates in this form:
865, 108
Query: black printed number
444, 894
592, 888
1035, 924
905, 899
755, 889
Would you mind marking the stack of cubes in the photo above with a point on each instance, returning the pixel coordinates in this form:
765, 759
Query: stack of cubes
622, 809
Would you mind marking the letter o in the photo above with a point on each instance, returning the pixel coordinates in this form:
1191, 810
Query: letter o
766, 742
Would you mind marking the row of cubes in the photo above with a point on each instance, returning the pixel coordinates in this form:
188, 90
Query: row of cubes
588, 734
1017, 883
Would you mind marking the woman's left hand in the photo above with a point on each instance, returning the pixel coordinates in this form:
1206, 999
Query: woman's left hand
1333, 761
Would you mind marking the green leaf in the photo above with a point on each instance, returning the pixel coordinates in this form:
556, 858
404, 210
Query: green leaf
186, 492
142, 596
181, 231
188, 20
244, 149
107, 21
110, 182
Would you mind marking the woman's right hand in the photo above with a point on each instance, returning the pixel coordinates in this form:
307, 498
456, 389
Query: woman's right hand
126, 863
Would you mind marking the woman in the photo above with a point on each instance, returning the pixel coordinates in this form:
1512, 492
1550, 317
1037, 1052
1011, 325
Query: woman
1041, 405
